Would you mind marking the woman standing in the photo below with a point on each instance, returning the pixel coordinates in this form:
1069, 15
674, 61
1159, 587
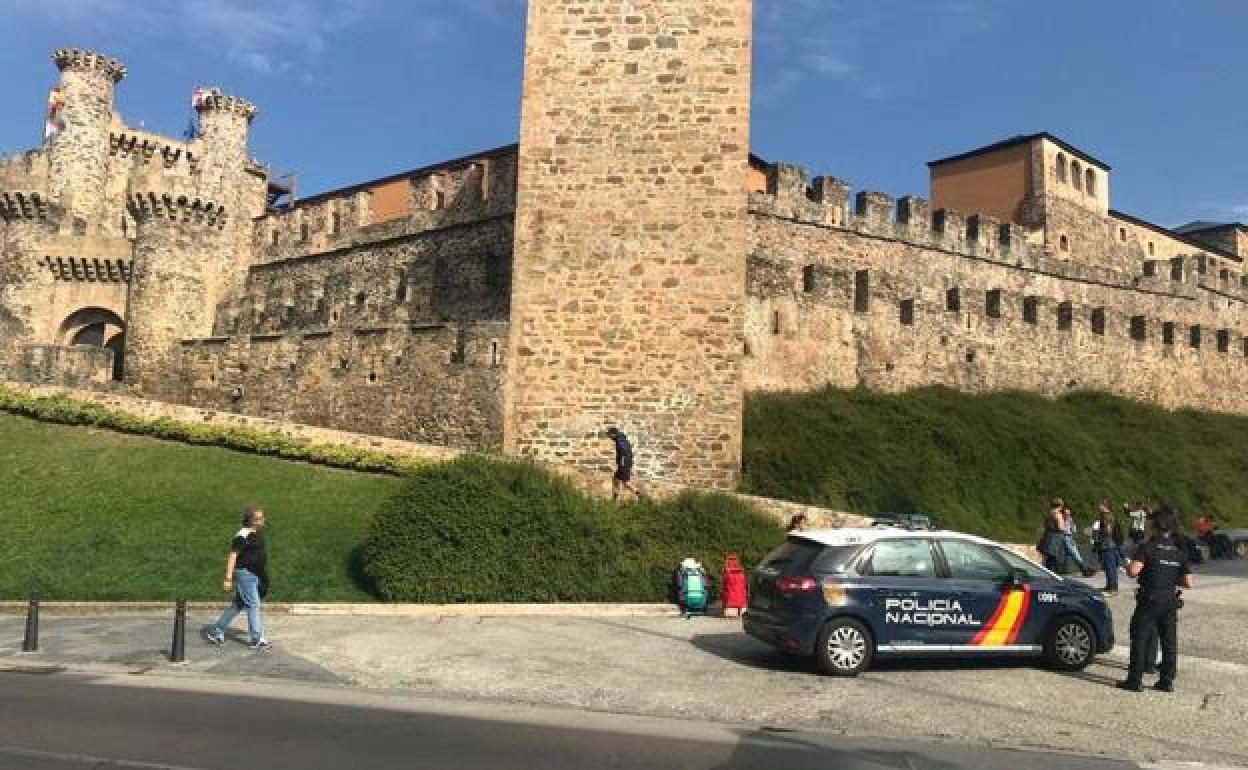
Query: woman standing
246, 576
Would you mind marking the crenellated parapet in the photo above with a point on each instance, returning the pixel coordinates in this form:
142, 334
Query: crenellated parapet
176, 208
825, 201
212, 100
16, 205
149, 149
90, 62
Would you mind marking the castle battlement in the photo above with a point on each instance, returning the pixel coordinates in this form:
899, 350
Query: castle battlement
210, 100
180, 208
23, 205
825, 201
150, 148
82, 60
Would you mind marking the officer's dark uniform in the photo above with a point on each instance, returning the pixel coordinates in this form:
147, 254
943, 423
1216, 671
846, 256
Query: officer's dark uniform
1156, 606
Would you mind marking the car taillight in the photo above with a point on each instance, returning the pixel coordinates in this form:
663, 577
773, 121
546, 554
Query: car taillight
797, 585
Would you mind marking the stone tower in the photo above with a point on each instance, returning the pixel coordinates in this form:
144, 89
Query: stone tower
188, 253
630, 246
79, 162
178, 243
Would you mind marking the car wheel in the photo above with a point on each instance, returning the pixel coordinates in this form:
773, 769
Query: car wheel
844, 648
1071, 644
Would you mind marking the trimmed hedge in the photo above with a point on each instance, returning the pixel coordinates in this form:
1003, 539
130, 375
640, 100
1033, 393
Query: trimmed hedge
66, 411
487, 530
990, 463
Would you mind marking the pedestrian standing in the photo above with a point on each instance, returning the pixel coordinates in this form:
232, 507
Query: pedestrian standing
247, 578
623, 478
1162, 567
1139, 523
1052, 544
1070, 531
1107, 542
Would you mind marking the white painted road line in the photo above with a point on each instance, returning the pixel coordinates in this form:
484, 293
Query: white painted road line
87, 759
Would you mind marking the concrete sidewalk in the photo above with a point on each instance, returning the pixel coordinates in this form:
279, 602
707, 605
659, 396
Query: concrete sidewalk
377, 610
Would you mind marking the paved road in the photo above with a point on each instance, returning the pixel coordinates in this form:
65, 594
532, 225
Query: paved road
707, 670
72, 722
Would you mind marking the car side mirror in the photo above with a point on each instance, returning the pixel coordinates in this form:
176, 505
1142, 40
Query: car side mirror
1016, 579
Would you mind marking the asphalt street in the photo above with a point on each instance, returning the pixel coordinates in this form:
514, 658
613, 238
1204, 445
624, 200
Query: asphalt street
71, 722
703, 671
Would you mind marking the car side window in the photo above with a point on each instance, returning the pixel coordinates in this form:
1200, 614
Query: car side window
972, 561
1022, 564
901, 558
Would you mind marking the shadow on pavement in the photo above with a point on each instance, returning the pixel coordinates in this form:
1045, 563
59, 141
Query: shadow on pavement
766, 748
741, 649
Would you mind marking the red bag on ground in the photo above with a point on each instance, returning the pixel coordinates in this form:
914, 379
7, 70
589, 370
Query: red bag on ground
732, 580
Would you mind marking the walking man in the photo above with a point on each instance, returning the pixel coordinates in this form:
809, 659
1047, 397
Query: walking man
1107, 541
623, 478
246, 577
1161, 565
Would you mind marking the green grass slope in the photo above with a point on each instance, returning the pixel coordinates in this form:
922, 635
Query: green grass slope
93, 515
990, 463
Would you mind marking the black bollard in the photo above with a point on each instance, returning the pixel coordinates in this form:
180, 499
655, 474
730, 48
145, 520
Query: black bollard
177, 652
31, 641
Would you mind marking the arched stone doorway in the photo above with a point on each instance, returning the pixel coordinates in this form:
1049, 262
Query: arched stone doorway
98, 328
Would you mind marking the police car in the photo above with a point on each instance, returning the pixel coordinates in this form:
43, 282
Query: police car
846, 596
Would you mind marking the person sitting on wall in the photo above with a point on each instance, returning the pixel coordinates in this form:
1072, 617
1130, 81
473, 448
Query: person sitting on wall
623, 478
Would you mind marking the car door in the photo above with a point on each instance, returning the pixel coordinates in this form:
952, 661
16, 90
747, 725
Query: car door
989, 612
897, 575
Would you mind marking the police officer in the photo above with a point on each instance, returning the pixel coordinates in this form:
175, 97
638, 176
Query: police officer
1162, 567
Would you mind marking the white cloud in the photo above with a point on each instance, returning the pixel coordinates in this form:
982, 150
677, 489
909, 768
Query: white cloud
814, 40
266, 36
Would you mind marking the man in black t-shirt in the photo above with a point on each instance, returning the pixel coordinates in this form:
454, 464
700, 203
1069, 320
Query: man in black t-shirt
247, 577
1162, 567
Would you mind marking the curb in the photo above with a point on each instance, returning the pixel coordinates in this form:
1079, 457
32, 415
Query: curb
87, 609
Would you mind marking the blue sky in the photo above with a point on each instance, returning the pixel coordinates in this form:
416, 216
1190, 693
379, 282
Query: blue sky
867, 90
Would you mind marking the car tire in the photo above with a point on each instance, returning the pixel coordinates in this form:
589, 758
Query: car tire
1071, 644
844, 647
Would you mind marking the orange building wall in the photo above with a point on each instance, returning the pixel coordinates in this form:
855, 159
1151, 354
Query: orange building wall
995, 183
392, 200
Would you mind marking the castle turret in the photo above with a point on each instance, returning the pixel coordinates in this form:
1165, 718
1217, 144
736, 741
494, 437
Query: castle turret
79, 153
224, 124
179, 247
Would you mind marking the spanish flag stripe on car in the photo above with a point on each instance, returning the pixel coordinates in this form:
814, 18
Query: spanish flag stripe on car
1002, 628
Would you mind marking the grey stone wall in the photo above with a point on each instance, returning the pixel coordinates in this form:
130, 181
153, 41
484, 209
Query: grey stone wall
891, 303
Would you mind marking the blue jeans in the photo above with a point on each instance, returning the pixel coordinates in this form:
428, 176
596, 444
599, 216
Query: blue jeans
1110, 560
247, 586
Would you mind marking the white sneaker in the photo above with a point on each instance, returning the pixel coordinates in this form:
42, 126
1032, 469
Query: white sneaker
262, 646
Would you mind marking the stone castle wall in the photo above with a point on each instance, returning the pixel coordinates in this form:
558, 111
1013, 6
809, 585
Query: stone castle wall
396, 327
630, 236
892, 299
